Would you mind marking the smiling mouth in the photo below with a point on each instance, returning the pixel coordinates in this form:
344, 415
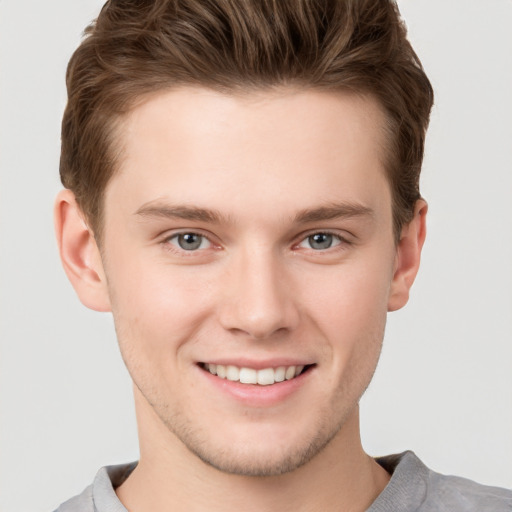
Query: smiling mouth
263, 377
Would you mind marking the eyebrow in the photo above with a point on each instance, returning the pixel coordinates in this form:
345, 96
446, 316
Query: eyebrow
332, 212
193, 213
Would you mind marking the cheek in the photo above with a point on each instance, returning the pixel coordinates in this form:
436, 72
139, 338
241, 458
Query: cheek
349, 307
355, 325
350, 295
157, 308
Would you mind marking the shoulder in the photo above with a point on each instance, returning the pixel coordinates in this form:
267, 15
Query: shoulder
81, 503
415, 487
101, 495
455, 493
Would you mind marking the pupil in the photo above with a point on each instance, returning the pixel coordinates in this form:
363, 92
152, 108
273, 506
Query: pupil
189, 241
320, 241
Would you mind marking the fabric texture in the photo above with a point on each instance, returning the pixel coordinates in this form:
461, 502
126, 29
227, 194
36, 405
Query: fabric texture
412, 488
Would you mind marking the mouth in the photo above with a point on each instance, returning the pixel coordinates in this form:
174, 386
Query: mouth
261, 377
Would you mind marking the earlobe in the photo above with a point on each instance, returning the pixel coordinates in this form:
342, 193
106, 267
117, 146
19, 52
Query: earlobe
79, 253
408, 257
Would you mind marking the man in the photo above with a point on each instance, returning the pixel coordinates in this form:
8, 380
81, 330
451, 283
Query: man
241, 191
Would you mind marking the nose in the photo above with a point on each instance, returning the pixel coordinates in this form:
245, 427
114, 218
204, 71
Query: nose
258, 296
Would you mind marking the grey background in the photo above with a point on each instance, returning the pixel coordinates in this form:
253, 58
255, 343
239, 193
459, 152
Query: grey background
444, 384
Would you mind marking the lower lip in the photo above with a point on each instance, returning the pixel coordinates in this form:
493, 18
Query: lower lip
254, 395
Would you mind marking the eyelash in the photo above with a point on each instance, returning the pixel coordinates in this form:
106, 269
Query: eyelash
342, 242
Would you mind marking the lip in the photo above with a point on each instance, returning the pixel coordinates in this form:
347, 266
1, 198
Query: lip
253, 395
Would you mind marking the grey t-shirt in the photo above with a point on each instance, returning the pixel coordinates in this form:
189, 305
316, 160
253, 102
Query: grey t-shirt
412, 488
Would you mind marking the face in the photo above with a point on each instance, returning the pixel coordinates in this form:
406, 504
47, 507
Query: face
249, 254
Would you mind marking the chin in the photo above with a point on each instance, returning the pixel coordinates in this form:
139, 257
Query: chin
260, 452
261, 464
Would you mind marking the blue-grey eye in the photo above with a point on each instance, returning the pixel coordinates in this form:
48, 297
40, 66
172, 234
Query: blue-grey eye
190, 241
320, 241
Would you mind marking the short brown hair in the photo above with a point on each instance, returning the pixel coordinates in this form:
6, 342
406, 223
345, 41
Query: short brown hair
136, 47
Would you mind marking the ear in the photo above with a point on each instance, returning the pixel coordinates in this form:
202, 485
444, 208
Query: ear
408, 256
79, 253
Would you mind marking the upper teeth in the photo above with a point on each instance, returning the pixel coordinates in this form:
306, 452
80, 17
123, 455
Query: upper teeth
251, 376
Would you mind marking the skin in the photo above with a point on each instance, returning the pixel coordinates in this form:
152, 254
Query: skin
254, 176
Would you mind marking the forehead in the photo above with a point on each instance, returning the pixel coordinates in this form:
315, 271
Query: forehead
280, 149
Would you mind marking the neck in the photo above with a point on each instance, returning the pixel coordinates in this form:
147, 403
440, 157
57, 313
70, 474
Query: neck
342, 477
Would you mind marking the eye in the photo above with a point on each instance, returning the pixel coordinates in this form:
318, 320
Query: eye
320, 241
190, 241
